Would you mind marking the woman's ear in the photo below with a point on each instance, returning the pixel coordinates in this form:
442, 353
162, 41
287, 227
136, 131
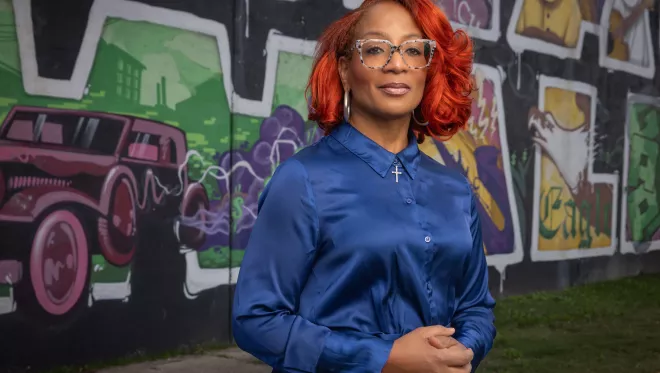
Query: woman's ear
343, 72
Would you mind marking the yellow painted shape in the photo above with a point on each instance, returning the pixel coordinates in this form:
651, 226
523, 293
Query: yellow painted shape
562, 104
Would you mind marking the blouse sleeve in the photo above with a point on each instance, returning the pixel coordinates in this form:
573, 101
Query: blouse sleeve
474, 319
277, 262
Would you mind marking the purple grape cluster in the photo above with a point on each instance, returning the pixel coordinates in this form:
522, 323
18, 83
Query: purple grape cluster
280, 136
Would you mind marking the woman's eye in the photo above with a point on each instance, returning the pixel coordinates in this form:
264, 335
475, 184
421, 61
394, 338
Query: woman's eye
374, 50
413, 52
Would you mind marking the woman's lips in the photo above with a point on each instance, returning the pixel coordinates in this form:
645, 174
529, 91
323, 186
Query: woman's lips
395, 89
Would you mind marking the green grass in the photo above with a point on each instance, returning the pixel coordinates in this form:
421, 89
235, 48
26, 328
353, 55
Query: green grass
609, 327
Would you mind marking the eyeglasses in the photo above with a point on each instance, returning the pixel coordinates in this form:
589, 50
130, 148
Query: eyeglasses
377, 53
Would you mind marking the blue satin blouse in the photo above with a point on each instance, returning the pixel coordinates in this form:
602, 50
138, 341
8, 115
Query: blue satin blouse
355, 246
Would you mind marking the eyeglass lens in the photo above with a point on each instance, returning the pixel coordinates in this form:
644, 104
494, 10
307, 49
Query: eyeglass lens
375, 53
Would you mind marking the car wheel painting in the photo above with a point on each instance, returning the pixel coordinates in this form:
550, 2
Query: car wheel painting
59, 262
118, 229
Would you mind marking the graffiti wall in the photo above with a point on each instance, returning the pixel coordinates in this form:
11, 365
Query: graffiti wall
136, 137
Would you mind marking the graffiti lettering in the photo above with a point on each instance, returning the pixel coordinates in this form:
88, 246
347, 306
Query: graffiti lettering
466, 17
471, 13
572, 222
641, 204
643, 183
480, 18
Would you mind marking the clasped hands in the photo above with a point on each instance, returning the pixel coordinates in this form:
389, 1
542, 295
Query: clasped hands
429, 349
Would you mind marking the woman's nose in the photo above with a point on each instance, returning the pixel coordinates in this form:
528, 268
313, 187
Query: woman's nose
396, 62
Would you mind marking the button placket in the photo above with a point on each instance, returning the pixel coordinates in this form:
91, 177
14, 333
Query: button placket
429, 287
403, 182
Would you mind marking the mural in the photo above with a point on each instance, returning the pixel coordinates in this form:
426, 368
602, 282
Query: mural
135, 142
574, 210
179, 161
156, 88
640, 207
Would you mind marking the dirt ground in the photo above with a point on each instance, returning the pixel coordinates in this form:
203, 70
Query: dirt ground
225, 361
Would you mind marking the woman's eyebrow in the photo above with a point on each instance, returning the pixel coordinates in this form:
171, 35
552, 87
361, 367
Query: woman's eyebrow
386, 36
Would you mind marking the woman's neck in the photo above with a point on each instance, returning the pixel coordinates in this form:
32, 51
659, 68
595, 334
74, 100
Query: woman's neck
391, 134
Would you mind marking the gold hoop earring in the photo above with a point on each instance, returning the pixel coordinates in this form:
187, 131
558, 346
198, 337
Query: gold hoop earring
423, 124
347, 106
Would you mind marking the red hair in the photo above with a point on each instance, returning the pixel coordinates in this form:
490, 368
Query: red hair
446, 103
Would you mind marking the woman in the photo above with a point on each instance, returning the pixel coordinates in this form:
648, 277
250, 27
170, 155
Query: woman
367, 255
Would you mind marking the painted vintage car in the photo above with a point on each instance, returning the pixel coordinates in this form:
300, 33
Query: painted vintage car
75, 186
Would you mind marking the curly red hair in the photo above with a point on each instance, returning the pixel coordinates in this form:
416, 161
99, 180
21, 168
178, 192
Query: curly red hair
446, 103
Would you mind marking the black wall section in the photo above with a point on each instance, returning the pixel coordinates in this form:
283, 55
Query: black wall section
58, 33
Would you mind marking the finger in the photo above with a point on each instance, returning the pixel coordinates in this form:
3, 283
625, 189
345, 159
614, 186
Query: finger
460, 347
464, 369
435, 342
437, 330
442, 342
456, 357
447, 341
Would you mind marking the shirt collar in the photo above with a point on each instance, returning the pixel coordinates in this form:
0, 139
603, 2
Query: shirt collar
375, 155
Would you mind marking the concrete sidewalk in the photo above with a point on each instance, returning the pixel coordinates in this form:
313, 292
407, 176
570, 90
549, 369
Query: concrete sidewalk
231, 360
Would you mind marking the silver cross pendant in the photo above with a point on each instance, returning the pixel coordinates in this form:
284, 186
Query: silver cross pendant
396, 172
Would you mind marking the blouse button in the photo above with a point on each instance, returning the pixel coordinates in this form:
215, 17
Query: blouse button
427, 239
408, 200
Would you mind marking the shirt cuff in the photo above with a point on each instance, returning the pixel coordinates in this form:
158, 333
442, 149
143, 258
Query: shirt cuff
349, 353
304, 346
468, 338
